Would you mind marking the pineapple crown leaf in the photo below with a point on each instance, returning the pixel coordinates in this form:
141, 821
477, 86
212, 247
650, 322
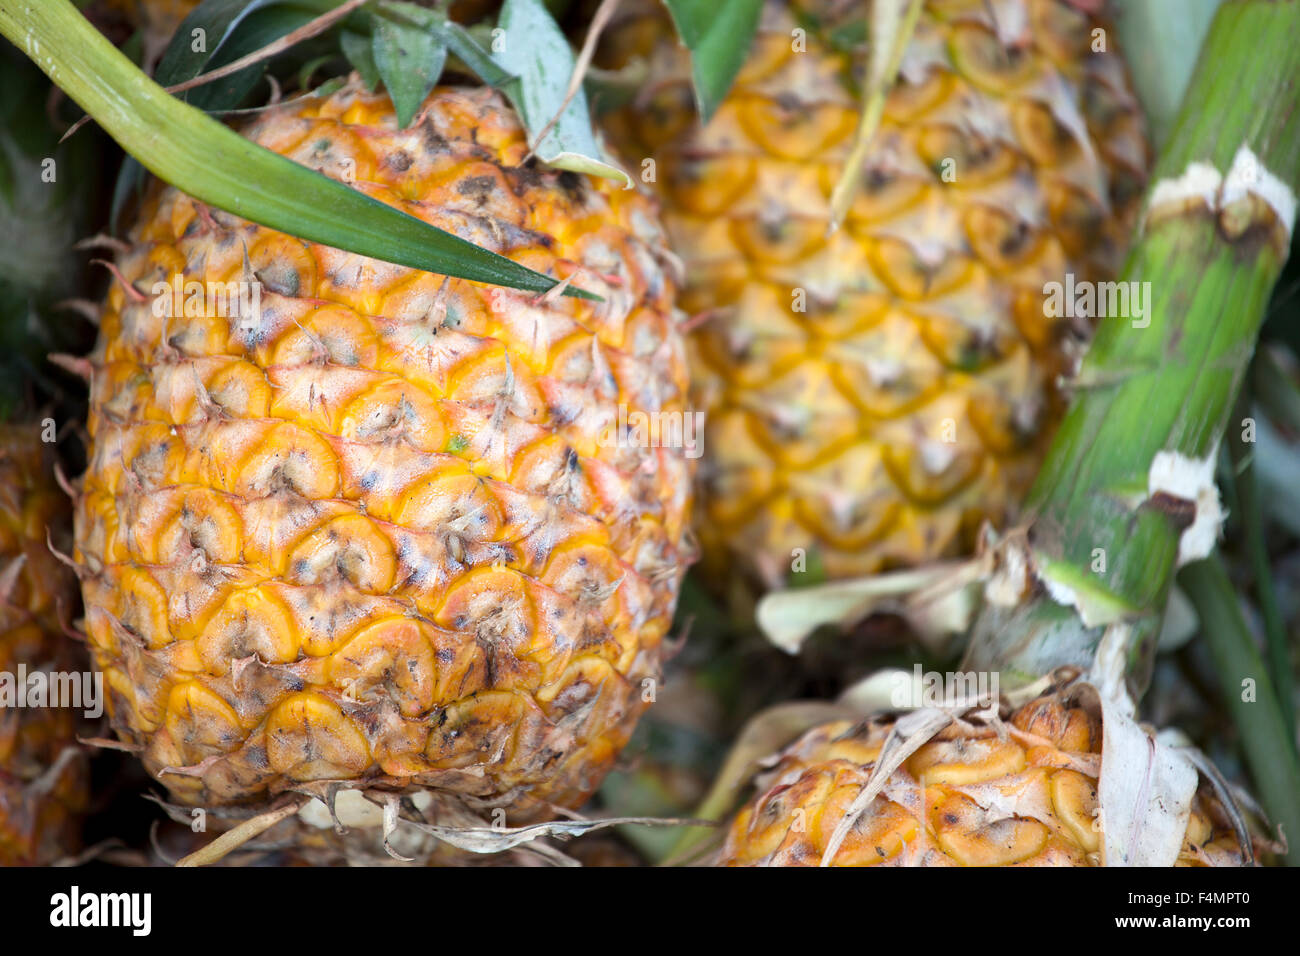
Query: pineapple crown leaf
409, 56
404, 46
553, 108
217, 166
719, 36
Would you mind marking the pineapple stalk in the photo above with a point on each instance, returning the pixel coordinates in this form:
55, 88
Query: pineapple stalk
1126, 494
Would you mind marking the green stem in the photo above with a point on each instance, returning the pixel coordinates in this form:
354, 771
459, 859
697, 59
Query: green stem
217, 166
1264, 736
1165, 382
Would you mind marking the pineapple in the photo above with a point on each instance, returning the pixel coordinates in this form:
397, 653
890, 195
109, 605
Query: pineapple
875, 394
378, 537
42, 771
1023, 793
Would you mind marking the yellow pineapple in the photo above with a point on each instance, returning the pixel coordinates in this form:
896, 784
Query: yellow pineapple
42, 771
873, 395
379, 535
1023, 793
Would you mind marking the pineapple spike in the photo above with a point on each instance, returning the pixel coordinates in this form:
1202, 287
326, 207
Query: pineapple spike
134, 294
61, 479
250, 829
74, 364
103, 241
83, 307
62, 558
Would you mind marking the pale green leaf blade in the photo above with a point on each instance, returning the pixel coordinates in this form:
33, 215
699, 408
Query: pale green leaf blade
536, 52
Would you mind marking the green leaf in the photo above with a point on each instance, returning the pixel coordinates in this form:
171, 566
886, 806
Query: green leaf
309, 69
410, 60
537, 53
218, 166
233, 29
462, 43
217, 19
362, 57
719, 35
692, 18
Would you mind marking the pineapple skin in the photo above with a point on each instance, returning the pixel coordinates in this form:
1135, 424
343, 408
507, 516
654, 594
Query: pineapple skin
874, 395
43, 772
941, 807
380, 538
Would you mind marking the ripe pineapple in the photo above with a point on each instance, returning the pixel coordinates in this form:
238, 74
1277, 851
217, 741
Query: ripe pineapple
375, 536
42, 772
969, 797
874, 394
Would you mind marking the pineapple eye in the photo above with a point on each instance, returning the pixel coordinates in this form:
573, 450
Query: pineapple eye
280, 280
399, 161
981, 57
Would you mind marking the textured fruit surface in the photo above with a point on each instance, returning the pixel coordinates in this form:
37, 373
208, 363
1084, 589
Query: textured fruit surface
42, 772
966, 798
874, 394
384, 534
